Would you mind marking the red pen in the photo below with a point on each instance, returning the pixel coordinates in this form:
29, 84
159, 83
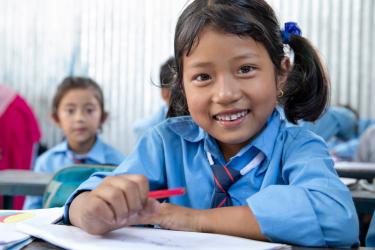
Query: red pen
165, 193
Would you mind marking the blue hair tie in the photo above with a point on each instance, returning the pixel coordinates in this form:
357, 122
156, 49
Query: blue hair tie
290, 28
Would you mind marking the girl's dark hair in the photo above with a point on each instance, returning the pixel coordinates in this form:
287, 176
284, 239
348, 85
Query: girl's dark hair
167, 73
306, 91
70, 83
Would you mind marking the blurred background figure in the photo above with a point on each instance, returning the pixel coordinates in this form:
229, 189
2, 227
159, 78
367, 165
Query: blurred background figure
166, 77
338, 126
366, 147
19, 134
78, 110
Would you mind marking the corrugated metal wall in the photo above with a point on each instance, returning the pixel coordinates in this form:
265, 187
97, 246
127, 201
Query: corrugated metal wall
121, 44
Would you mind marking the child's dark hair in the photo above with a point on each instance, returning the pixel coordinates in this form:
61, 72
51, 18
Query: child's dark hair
167, 73
70, 83
306, 91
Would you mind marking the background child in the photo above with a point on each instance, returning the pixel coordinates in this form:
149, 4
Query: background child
166, 77
78, 109
338, 126
247, 171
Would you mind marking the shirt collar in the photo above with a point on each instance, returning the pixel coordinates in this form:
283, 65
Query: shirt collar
264, 142
185, 127
96, 154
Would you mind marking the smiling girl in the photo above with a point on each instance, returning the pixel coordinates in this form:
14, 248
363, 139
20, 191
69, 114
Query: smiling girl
232, 143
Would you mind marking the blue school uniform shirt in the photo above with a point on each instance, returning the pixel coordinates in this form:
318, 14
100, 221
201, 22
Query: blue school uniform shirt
370, 237
142, 126
337, 122
294, 193
61, 156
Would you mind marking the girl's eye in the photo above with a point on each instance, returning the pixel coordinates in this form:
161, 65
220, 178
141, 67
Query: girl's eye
89, 111
202, 77
70, 111
245, 69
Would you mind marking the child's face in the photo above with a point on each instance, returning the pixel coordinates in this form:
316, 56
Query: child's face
230, 87
79, 115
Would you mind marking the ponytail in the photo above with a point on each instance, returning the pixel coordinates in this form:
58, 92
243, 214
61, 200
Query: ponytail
307, 88
177, 102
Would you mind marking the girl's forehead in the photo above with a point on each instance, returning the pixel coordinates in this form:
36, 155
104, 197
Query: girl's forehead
224, 43
80, 94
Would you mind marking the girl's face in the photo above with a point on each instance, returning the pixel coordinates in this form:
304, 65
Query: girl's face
79, 116
230, 86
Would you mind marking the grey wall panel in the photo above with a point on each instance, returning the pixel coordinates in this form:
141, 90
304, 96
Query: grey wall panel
121, 44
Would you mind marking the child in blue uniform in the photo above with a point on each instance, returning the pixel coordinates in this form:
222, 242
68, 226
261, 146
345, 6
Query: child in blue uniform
78, 109
166, 77
247, 171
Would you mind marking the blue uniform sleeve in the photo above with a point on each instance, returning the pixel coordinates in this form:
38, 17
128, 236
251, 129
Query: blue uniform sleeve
370, 237
135, 163
36, 202
310, 206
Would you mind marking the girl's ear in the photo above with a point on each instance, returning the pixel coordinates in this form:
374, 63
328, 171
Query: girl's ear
165, 94
283, 75
104, 117
55, 119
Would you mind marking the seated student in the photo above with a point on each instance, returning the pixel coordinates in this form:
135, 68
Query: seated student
366, 147
347, 150
78, 109
338, 126
19, 134
247, 171
166, 77
366, 153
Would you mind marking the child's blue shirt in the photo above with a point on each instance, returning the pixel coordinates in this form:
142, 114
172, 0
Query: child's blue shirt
61, 156
294, 193
337, 122
140, 127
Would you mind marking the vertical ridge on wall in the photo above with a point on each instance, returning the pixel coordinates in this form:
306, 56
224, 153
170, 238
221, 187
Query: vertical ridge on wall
121, 44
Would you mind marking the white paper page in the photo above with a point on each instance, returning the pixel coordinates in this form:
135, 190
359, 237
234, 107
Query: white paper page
10, 218
140, 238
348, 181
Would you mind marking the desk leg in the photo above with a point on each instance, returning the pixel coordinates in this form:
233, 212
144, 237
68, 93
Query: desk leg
8, 201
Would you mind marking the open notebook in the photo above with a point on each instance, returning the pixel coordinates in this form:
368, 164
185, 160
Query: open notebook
9, 219
140, 238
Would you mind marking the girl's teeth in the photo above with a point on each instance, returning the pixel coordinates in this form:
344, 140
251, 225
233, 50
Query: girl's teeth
231, 117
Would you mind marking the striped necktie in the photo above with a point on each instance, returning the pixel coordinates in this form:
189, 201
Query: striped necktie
79, 160
224, 178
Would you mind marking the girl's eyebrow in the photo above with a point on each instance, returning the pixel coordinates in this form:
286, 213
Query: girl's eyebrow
69, 104
239, 57
246, 56
199, 64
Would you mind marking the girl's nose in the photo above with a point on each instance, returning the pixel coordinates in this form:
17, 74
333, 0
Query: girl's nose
226, 91
80, 115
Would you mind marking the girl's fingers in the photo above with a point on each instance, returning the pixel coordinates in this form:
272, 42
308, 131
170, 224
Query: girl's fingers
143, 186
152, 207
115, 199
92, 214
149, 215
135, 189
125, 194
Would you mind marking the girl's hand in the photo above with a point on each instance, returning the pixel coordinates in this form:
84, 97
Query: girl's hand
169, 216
112, 204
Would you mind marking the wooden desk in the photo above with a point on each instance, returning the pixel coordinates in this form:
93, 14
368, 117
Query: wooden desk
21, 182
358, 170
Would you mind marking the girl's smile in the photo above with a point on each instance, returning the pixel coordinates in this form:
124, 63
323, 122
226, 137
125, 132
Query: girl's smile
230, 86
231, 118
